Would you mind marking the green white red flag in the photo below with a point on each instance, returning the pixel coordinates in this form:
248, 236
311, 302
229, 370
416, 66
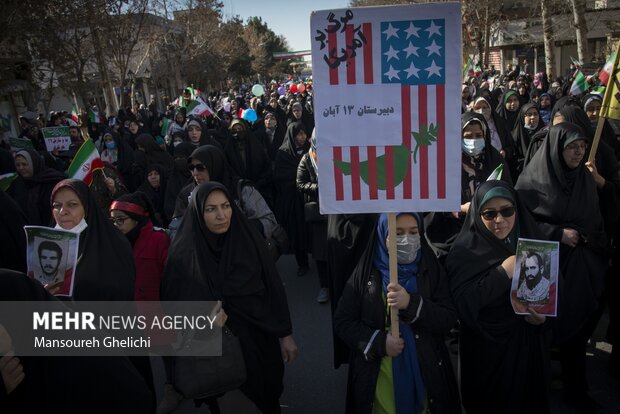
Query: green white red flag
605, 73
200, 108
95, 118
86, 161
74, 115
580, 84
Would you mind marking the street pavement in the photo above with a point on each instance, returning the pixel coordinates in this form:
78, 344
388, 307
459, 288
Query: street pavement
312, 385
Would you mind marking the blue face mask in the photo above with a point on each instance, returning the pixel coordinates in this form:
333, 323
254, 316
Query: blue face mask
110, 145
530, 127
473, 146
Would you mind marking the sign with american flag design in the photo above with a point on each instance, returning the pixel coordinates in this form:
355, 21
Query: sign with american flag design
387, 107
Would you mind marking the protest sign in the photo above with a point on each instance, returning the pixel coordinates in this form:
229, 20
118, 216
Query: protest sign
20, 144
387, 107
57, 138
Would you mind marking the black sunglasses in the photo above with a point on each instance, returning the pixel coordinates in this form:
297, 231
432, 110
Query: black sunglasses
504, 212
199, 167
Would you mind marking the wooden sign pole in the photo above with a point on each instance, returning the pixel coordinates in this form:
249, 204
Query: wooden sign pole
393, 269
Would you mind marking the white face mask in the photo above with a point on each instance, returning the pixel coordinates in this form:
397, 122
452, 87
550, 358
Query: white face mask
473, 146
407, 246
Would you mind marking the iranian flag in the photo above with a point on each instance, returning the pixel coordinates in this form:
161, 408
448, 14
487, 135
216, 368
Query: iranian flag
74, 115
195, 93
95, 118
85, 162
604, 74
200, 108
580, 84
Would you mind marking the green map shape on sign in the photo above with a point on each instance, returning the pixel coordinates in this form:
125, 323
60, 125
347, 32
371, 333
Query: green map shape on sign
425, 137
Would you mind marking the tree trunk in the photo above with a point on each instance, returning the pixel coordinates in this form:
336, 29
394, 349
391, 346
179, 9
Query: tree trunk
579, 12
487, 36
108, 92
548, 40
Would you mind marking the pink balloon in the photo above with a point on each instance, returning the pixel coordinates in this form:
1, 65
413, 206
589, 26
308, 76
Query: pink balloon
301, 87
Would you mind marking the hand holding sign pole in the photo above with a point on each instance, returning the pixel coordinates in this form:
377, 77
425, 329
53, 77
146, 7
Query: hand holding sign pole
393, 270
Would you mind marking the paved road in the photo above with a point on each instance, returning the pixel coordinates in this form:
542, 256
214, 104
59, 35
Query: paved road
313, 386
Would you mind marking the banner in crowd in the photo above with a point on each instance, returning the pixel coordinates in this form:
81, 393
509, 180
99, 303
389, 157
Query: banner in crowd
56, 138
20, 144
535, 278
387, 98
52, 256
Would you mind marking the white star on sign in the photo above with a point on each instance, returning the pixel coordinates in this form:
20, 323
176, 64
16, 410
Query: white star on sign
391, 31
391, 54
411, 50
392, 73
412, 71
433, 69
412, 31
433, 49
433, 29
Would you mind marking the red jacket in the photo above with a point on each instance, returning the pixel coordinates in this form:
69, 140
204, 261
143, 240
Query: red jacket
150, 253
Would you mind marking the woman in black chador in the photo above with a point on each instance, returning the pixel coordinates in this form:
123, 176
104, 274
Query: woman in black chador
289, 208
504, 356
561, 194
218, 255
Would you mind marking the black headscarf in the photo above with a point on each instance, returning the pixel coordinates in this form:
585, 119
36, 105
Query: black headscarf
502, 356
156, 196
482, 165
32, 193
234, 266
552, 191
509, 116
219, 170
561, 103
255, 164
154, 153
521, 135
105, 269
290, 147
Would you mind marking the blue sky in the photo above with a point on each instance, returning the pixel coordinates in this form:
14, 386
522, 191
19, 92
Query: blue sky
290, 18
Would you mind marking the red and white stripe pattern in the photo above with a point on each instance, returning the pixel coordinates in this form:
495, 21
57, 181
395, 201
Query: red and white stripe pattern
420, 104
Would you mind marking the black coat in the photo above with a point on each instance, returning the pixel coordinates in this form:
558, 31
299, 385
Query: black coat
559, 198
347, 240
308, 185
361, 311
273, 146
289, 205
504, 359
